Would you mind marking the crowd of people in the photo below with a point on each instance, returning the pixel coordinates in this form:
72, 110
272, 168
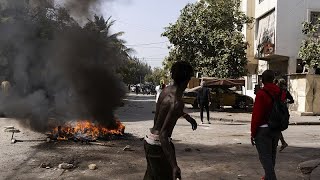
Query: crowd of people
148, 89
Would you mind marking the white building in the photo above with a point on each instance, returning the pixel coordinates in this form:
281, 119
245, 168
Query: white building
278, 33
277, 40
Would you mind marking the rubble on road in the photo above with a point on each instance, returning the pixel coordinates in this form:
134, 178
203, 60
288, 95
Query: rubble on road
308, 166
45, 165
65, 166
8, 127
92, 166
127, 148
13, 130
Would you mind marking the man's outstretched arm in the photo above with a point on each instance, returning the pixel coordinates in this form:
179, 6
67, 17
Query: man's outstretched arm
190, 120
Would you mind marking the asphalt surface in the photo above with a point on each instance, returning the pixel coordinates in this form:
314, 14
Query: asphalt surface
221, 150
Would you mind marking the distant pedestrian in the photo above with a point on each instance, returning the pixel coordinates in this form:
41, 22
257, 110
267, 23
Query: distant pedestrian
137, 89
285, 94
159, 89
265, 139
203, 99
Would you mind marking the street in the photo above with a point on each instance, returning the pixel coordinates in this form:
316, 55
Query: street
221, 150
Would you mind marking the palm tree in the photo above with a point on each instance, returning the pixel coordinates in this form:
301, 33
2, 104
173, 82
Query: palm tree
114, 41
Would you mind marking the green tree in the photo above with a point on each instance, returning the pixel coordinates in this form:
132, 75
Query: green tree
310, 47
208, 34
156, 76
134, 71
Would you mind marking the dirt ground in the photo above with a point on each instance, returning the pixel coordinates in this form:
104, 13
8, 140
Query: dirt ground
213, 152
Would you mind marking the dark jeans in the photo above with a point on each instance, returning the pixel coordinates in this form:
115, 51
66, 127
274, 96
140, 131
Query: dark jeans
282, 139
158, 167
202, 107
266, 144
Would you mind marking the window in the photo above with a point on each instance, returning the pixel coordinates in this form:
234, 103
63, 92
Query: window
299, 66
249, 82
314, 16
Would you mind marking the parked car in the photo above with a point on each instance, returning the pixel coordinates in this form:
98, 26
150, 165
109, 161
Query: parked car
190, 98
223, 96
220, 96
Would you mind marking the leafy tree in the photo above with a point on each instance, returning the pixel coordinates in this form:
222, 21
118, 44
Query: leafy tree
134, 71
310, 47
156, 76
208, 34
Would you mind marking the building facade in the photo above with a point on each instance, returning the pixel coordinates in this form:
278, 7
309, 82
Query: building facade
277, 40
278, 35
248, 7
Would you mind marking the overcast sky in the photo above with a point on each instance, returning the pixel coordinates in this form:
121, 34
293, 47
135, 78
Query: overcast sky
143, 21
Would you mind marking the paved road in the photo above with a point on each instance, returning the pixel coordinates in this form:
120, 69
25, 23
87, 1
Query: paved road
221, 150
138, 117
232, 132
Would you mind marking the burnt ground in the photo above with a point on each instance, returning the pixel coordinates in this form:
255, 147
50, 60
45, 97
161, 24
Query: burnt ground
216, 151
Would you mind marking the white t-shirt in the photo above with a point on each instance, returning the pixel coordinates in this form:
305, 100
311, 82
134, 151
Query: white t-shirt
158, 90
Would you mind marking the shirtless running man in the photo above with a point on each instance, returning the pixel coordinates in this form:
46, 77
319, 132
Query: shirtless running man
159, 149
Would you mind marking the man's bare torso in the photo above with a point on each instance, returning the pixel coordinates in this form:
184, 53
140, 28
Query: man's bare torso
167, 102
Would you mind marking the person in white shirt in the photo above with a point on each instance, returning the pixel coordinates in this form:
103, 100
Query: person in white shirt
159, 89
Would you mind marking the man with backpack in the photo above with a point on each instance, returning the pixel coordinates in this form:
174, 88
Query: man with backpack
269, 117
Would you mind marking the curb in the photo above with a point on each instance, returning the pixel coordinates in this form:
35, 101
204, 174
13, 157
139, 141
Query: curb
230, 120
224, 119
305, 123
246, 121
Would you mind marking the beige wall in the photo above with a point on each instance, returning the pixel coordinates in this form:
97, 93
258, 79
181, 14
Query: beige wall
248, 7
250, 30
305, 89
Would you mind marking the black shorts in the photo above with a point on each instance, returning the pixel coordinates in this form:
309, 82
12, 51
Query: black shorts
158, 167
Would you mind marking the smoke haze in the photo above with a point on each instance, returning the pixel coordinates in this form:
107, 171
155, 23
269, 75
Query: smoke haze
66, 76
81, 10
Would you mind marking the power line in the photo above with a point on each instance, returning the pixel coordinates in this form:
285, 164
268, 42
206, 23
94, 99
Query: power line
155, 47
156, 55
146, 44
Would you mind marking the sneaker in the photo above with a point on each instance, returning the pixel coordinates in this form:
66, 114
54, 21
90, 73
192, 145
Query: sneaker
282, 147
201, 122
209, 122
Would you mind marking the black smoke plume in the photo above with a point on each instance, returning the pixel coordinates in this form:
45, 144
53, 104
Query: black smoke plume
81, 9
58, 70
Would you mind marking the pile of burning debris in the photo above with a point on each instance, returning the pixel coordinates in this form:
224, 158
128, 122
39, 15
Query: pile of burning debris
78, 131
85, 131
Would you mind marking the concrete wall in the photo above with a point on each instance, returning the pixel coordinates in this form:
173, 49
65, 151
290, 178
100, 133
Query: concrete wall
249, 9
305, 89
245, 89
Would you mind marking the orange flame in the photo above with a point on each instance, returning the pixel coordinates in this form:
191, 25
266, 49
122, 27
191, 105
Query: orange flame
86, 130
